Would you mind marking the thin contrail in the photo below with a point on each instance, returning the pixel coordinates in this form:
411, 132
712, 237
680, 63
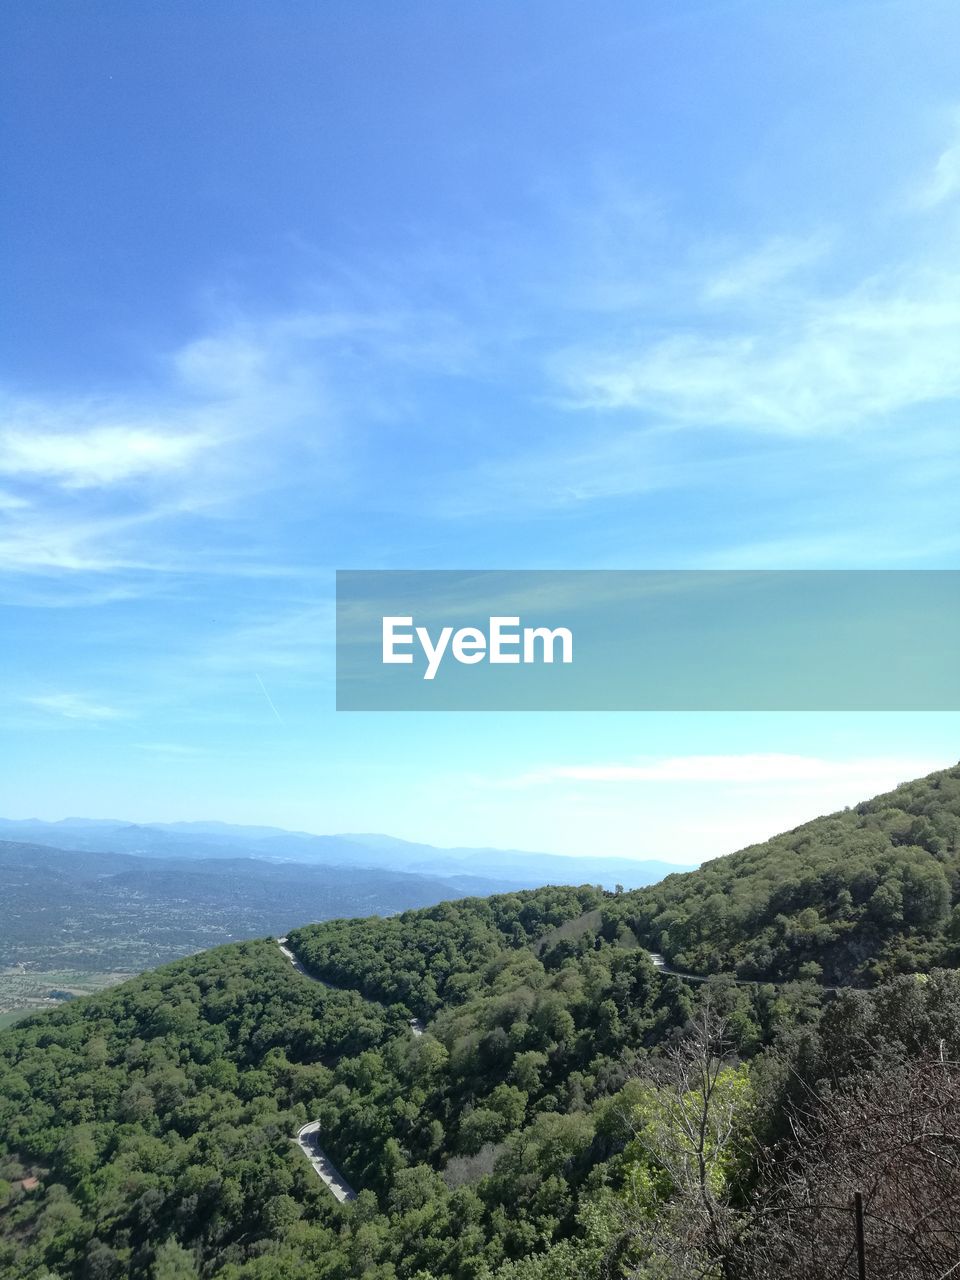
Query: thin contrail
268, 698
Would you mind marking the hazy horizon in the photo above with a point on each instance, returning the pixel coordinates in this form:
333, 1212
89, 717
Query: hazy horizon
871, 776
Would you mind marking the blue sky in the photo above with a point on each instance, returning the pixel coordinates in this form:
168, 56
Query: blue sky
300, 287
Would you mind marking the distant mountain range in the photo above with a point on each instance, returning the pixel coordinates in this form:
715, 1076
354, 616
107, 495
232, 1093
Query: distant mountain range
86, 910
501, 868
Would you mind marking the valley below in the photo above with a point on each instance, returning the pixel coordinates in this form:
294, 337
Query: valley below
119, 899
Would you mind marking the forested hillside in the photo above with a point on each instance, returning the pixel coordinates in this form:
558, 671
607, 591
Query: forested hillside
163, 1110
564, 1112
850, 898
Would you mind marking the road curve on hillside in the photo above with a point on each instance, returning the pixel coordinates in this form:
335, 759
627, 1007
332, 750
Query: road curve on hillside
661, 966
307, 1137
416, 1024
307, 1140
298, 965
668, 970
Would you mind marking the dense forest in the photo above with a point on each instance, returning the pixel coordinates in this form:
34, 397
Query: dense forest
850, 898
568, 1110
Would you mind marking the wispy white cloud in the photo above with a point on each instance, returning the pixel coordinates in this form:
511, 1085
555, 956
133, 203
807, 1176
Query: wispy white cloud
693, 333
871, 542
749, 769
96, 457
719, 362
940, 186
840, 364
791, 335
46, 538
758, 270
557, 474
75, 706
95, 483
102, 486
255, 406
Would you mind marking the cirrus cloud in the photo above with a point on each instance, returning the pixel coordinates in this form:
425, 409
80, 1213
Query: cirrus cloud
96, 457
771, 767
75, 706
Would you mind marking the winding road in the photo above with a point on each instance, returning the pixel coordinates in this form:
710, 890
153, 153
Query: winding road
298, 965
307, 1140
307, 1137
661, 966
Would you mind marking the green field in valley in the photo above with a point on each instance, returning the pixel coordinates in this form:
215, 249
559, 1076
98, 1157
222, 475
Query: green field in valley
23, 992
